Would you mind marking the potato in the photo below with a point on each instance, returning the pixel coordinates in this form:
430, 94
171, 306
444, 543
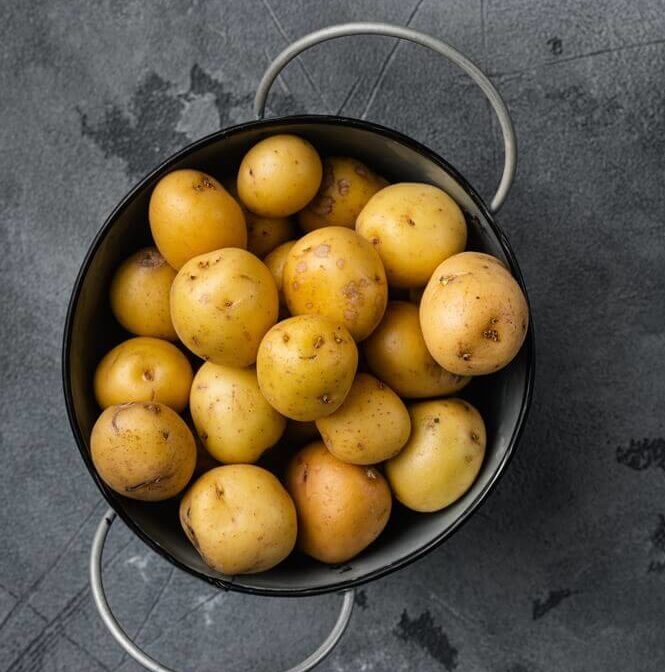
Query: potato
140, 294
342, 508
275, 262
143, 369
442, 458
240, 519
222, 304
336, 273
413, 227
306, 366
143, 450
397, 354
191, 213
346, 187
232, 417
473, 314
279, 176
370, 426
264, 234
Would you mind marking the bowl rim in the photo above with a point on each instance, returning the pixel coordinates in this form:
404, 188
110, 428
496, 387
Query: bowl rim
278, 122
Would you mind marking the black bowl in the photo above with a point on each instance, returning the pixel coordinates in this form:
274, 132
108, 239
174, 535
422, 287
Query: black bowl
90, 331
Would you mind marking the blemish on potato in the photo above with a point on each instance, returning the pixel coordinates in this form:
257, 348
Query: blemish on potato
193, 277
375, 241
410, 221
325, 399
295, 284
343, 186
491, 335
286, 338
319, 341
219, 491
338, 339
152, 408
203, 436
203, 264
468, 459
148, 374
445, 279
360, 170
301, 267
340, 263
350, 315
150, 258
371, 474
195, 340
322, 250
322, 205
165, 433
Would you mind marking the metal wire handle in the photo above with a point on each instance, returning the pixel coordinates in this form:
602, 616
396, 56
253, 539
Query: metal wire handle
150, 663
476, 74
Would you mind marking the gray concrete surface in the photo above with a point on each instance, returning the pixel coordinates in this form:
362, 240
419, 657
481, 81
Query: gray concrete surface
564, 566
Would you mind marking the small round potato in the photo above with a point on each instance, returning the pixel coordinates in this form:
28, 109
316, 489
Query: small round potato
342, 508
442, 458
264, 234
397, 354
346, 187
222, 304
473, 314
275, 262
370, 426
140, 294
232, 417
240, 519
279, 176
306, 366
413, 227
144, 369
143, 450
191, 213
336, 273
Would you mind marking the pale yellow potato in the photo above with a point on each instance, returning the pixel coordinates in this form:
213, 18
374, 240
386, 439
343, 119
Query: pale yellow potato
342, 508
275, 262
279, 176
240, 519
191, 213
346, 187
140, 294
143, 369
397, 354
306, 366
336, 273
231, 416
370, 426
222, 304
442, 458
264, 234
413, 227
143, 450
473, 315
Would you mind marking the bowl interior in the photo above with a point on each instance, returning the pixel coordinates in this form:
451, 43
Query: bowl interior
91, 331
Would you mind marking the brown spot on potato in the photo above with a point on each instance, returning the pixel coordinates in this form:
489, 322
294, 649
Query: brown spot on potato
195, 340
193, 277
343, 186
146, 484
295, 284
465, 355
148, 374
468, 459
203, 436
322, 250
340, 263
228, 303
203, 264
474, 437
371, 474
219, 491
205, 183
325, 398
445, 279
165, 433
491, 335
286, 338
381, 385
152, 408
309, 305
301, 267
319, 341
322, 205
375, 241
350, 315
361, 170
338, 339
150, 259
410, 221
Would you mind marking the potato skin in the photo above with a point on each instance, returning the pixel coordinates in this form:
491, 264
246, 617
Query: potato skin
442, 458
240, 519
370, 426
264, 234
473, 315
191, 213
143, 450
144, 369
335, 273
222, 304
279, 175
342, 508
232, 417
397, 354
139, 294
413, 227
275, 261
346, 187
305, 366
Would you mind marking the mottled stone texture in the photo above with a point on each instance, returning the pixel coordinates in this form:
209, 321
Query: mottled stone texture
563, 568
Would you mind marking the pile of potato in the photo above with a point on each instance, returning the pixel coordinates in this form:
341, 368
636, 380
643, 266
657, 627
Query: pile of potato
320, 343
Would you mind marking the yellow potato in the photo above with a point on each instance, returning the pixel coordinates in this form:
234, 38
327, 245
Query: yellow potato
264, 234
191, 213
413, 227
232, 417
473, 314
144, 369
140, 294
279, 176
335, 273
370, 426
442, 458
397, 354
306, 366
222, 304
346, 187
143, 450
275, 262
342, 508
240, 519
